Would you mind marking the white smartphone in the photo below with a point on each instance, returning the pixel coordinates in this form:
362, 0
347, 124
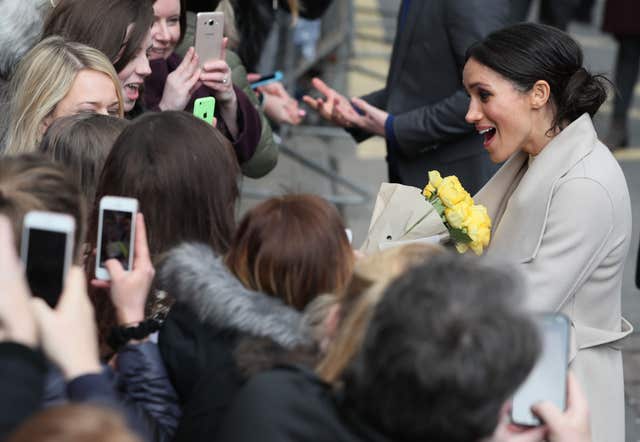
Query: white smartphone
116, 233
46, 250
548, 379
209, 35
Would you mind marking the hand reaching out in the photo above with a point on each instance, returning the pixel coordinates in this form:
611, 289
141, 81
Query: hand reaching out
129, 290
181, 83
333, 106
279, 106
16, 319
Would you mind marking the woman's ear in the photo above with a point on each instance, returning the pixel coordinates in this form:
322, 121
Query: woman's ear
540, 94
46, 122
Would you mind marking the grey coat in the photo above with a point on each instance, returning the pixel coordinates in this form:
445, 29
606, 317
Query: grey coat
565, 220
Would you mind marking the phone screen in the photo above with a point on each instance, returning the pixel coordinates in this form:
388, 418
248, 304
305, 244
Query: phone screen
116, 236
45, 264
547, 380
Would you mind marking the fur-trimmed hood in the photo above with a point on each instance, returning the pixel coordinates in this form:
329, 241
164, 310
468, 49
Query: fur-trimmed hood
198, 279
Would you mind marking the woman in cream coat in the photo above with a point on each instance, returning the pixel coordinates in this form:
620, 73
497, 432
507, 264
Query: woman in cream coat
560, 204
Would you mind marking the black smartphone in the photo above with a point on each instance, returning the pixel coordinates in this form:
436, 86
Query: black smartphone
548, 379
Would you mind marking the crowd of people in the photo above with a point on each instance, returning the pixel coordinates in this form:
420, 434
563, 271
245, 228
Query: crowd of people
273, 326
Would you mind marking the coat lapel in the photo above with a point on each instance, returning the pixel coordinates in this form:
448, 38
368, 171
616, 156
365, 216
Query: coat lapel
518, 230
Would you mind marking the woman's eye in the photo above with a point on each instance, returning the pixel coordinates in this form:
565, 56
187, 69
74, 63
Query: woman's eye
484, 95
173, 21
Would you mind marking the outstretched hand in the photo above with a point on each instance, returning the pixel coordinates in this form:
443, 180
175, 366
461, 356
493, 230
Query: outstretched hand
278, 105
339, 110
129, 290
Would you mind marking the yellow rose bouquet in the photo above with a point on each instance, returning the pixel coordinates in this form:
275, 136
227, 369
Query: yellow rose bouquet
469, 224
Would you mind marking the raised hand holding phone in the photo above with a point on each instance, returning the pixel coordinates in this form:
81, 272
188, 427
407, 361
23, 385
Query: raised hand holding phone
129, 290
181, 83
16, 319
68, 333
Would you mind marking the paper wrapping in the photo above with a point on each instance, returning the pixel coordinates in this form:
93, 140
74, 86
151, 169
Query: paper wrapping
397, 209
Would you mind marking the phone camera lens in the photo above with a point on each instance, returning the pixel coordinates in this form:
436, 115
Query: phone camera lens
211, 22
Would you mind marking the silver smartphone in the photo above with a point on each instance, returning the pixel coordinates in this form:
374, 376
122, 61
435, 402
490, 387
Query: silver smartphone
209, 35
46, 249
548, 379
116, 233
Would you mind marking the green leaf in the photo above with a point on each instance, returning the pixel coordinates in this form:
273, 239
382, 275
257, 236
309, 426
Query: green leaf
459, 235
437, 204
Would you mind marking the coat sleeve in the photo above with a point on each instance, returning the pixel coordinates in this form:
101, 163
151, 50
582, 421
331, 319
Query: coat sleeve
466, 21
265, 156
577, 227
22, 374
144, 381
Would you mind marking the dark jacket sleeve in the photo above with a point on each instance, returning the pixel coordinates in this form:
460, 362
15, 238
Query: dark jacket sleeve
310, 9
143, 379
467, 21
22, 373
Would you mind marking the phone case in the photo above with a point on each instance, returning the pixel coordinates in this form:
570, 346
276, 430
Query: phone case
268, 79
209, 34
204, 108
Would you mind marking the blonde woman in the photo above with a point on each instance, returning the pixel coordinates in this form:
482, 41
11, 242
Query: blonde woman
55, 79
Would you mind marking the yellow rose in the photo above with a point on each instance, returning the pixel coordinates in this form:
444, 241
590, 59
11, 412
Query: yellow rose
457, 214
434, 178
461, 247
476, 247
451, 191
428, 191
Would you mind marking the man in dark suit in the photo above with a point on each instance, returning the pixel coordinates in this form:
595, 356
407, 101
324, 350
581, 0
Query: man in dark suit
421, 110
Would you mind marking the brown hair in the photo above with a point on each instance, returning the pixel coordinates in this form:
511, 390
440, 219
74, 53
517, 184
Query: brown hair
184, 175
103, 24
32, 182
82, 142
371, 276
293, 247
75, 423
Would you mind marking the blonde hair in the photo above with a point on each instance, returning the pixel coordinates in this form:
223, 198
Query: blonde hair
371, 277
42, 79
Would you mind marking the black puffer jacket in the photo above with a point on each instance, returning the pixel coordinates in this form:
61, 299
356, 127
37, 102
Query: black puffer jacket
213, 313
254, 19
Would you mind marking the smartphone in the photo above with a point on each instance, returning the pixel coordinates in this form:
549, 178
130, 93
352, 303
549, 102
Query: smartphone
267, 79
548, 379
46, 250
116, 233
204, 108
209, 34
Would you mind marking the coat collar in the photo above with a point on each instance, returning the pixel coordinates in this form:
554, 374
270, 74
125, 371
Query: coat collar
402, 42
519, 219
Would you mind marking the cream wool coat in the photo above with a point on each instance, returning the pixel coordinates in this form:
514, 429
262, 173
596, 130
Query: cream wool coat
565, 220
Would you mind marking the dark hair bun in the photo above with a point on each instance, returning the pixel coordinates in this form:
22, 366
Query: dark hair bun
582, 93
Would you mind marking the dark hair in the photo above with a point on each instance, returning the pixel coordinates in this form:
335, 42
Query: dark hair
182, 20
103, 25
445, 348
293, 247
82, 142
184, 175
528, 52
33, 182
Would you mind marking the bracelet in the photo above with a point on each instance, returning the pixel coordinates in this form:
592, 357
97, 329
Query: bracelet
120, 335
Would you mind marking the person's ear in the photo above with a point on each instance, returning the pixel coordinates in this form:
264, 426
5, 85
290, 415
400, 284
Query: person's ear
330, 326
539, 94
46, 122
